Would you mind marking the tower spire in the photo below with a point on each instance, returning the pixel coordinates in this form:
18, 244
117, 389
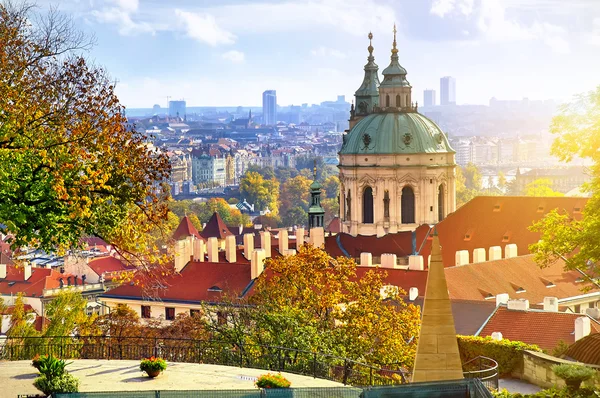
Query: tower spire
367, 95
370, 48
394, 49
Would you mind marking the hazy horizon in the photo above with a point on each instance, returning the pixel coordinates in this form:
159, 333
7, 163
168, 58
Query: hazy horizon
227, 52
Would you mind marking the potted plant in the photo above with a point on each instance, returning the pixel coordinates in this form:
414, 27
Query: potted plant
37, 360
573, 375
153, 366
271, 380
53, 377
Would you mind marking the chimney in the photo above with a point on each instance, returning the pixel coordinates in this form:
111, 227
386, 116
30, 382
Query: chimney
479, 255
265, 243
388, 260
502, 298
551, 304
3, 271
230, 249
299, 238
593, 313
27, 272
495, 253
462, 258
213, 250
289, 252
248, 246
257, 264
240, 229
199, 250
366, 259
497, 336
317, 237
413, 293
415, 263
283, 241
582, 327
510, 251
518, 304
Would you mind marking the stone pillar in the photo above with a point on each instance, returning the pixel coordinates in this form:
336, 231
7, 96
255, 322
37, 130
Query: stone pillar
495, 253
413, 293
462, 257
317, 237
289, 252
510, 251
230, 249
502, 298
299, 238
257, 264
265, 242
283, 240
437, 356
388, 260
213, 250
248, 246
199, 250
366, 259
416, 263
582, 327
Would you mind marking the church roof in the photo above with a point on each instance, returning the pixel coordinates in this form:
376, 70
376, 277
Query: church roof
395, 133
185, 229
215, 227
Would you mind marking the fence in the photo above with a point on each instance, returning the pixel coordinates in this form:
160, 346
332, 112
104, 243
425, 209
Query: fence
484, 369
272, 358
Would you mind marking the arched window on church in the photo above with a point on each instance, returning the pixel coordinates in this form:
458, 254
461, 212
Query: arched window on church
441, 203
408, 205
387, 100
406, 100
398, 105
368, 205
386, 206
348, 207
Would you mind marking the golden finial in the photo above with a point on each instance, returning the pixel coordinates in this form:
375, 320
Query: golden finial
315, 169
394, 49
370, 48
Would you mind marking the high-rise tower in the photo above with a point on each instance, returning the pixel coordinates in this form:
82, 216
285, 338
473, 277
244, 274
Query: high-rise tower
269, 103
447, 90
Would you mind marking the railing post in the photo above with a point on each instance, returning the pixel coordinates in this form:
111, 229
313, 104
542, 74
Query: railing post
345, 379
370, 376
241, 356
314, 365
155, 350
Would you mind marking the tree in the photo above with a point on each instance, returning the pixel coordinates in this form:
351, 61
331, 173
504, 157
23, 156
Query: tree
501, 181
230, 216
21, 321
294, 216
331, 186
66, 312
262, 193
542, 187
473, 177
266, 172
577, 127
332, 209
463, 194
315, 302
120, 323
70, 164
285, 173
295, 192
308, 162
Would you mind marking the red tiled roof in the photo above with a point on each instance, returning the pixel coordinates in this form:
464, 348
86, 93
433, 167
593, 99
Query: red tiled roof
334, 226
586, 350
104, 264
192, 284
543, 328
476, 281
215, 227
40, 279
486, 221
185, 229
9, 309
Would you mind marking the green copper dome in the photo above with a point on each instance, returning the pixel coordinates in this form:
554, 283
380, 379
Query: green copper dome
395, 133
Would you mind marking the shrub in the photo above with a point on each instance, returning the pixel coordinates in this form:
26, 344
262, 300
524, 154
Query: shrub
573, 375
272, 381
37, 360
550, 393
60, 384
51, 367
153, 364
507, 353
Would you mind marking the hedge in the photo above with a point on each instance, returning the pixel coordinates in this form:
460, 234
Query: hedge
507, 353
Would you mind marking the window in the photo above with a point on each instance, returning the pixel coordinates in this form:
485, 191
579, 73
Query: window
145, 311
368, 205
441, 203
194, 313
169, 313
398, 101
386, 206
387, 100
408, 205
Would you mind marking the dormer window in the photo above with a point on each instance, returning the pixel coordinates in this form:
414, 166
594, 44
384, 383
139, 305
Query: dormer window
540, 209
496, 208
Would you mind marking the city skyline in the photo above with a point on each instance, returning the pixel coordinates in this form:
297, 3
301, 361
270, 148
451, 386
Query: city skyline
506, 49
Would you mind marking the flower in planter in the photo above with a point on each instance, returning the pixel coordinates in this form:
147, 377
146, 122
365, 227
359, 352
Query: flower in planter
573, 375
271, 380
53, 376
153, 366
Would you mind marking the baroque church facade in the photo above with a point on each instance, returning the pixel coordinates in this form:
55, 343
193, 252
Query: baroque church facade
397, 169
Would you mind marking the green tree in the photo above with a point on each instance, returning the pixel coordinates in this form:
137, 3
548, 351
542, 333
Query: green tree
331, 187
65, 312
285, 173
501, 181
21, 321
266, 172
473, 177
294, 216
295, 192
542, 187
332, 209
577, 127
70, 164
260, 192
463, 194
120, 323
308, 162
230, 216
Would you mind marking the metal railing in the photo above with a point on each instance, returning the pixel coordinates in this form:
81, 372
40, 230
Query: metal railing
315, 364
484, 369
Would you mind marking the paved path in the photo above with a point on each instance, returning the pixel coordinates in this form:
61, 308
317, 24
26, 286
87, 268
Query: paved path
516, 385
102, 375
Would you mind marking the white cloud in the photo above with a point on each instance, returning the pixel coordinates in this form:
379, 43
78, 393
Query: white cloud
123, 20
234, 56
594, 36
204, 27
327, 52
443, 7
126, 5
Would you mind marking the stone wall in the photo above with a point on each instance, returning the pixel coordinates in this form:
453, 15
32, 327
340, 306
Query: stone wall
537, 369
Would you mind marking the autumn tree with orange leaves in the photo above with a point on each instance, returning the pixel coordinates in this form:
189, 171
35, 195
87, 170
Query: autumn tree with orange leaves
70, 164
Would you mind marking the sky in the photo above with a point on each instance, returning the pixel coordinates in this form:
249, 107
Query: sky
227, 52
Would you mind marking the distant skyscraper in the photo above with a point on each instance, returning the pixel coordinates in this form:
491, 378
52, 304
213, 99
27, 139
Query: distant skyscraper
429, 97
447, 90
177, 108
270, 107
